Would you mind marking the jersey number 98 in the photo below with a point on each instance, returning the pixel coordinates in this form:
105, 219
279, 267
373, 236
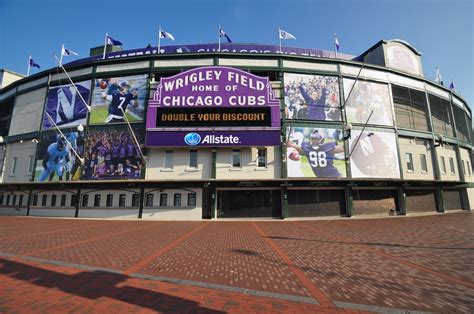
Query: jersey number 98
317, 159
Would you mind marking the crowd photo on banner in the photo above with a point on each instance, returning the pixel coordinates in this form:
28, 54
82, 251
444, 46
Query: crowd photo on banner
113, 154
315, 152
312, 97
113, 98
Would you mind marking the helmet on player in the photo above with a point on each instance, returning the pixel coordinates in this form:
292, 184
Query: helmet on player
317, 138
61, 143
122, 85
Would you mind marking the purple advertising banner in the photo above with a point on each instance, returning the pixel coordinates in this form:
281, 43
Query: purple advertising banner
213, 99
213, 138
225, 47
64, 107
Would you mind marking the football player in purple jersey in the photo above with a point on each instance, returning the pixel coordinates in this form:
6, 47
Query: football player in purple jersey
320, 152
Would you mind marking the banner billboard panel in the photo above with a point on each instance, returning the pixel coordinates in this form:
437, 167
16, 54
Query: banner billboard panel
55, 157
114, 97
112, 155
214, 138
312, 97
374, 155
365, 98
217, 105
315, 152
64, 107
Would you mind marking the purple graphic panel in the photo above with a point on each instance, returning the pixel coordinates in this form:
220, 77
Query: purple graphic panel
257, 49
213, 138
213, 101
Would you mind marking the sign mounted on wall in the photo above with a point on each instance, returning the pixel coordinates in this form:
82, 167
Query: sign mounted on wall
217, 101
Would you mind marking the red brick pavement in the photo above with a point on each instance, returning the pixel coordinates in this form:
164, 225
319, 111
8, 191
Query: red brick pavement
414, 263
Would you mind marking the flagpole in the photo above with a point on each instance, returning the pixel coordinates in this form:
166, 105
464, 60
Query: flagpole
81, 160
219, 35
133, 135
105, 44
279, 36
335, 48
159, 39
61, 58
29, 65
74, 85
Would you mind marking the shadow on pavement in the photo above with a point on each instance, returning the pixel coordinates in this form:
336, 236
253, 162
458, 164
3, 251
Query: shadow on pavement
97, 284
374, 244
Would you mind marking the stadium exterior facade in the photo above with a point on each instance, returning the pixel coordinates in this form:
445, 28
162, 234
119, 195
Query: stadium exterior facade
247, 131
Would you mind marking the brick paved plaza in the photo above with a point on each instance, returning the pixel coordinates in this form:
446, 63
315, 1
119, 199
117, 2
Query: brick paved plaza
396, 264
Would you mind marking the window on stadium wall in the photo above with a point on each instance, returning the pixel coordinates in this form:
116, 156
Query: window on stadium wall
441, 116
461, 124
272, 75
6, 108
410, 108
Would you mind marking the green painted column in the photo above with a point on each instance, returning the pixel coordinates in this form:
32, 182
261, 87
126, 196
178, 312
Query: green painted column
78, 201
440, 207
349, 201
402, 200
214, 163
30, 194
212, 191
284, 202
464, 199
142, 200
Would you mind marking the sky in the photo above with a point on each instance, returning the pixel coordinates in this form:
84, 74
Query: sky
442, 30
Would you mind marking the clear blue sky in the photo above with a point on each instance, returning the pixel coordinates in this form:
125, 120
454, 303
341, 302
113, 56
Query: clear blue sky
441, 29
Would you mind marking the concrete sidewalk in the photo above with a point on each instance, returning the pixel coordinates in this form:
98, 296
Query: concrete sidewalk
423, 263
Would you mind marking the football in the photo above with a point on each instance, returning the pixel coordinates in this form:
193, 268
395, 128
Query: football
294, 155
103, 84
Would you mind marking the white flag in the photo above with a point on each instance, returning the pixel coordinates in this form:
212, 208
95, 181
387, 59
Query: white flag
286, 35
166, 35
68, 52
438, 76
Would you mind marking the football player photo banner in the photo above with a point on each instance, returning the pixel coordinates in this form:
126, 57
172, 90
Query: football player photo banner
315, 153
365, 98
312, 97
56, 157
64, 107
112, 155
113, 98
374, 155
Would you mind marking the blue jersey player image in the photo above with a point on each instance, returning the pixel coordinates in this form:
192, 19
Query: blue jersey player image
119, 100
320, 153
57, 156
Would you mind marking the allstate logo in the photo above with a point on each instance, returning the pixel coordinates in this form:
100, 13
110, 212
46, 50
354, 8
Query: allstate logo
192, 139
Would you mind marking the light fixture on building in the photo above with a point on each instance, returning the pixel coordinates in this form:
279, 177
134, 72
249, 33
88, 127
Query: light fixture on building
80, 128
34, 141
348, 130
440, 141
